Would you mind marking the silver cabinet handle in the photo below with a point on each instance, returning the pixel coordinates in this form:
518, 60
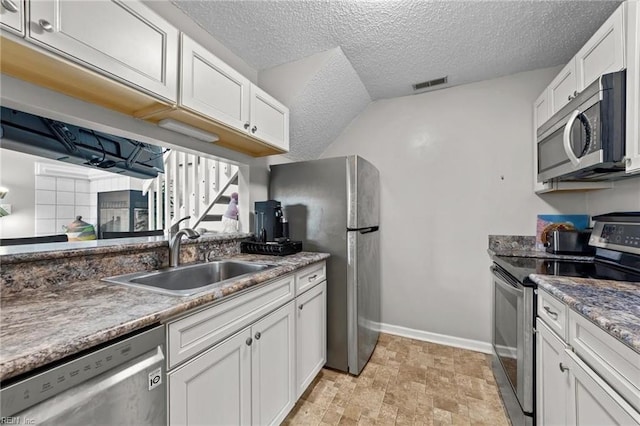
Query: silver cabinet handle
9, 5
253, 129
569, 97
563, 368
246, 125
258, 335
249, 341
301, 306
313, 277
46, 25
552, 314
575, 93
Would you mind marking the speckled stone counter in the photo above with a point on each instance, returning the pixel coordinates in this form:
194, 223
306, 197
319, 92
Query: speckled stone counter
524, 246
44, 324
614, 306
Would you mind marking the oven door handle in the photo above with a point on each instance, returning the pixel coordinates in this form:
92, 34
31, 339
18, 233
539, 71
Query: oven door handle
566, 138
511, 288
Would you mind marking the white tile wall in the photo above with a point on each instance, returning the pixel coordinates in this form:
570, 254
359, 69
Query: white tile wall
65, 212
82, 185
83, 199
46, 227
60, 200
45, 182
65, 198
45, 211
65, 184
44, 196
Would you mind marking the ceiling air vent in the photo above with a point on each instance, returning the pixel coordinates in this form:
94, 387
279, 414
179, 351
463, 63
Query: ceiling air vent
430, 83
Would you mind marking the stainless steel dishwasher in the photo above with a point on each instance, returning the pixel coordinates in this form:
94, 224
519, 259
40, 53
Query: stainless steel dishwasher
122, 383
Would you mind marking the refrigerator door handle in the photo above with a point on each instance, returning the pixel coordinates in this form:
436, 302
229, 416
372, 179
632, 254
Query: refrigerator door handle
365, 230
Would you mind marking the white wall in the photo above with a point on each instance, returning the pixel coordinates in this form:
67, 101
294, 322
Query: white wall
625, 196
455, 165
17, 176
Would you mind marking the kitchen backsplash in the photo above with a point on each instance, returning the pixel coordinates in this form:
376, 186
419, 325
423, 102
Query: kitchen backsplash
34, 270
498, 243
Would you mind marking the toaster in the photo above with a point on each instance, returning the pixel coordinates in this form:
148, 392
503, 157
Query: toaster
562, 241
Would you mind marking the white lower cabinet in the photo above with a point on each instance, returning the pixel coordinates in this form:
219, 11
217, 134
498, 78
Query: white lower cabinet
273, 367
215, 387
592, 401
247, 379
552, 382
571, 392
311, 335
245, 361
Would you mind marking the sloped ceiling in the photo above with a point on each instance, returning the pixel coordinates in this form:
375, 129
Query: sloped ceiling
326, 60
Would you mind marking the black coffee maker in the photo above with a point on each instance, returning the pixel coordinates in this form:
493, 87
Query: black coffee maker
268, 217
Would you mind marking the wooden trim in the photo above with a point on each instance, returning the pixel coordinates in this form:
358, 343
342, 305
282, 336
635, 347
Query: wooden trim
33, 65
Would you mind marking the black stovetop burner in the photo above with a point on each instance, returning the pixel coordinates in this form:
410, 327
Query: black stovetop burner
521, 267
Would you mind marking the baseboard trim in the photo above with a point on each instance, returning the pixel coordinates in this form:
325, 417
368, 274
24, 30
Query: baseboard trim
442, 339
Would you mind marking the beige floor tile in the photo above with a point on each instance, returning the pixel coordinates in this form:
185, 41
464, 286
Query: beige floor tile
406, 382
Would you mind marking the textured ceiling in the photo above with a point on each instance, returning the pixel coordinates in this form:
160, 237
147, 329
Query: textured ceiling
393, 44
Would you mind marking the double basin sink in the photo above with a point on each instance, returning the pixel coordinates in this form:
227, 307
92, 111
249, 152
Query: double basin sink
190, 279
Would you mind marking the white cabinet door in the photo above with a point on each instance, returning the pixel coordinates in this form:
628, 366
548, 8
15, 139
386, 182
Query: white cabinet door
124, 39
311, 335
592, 401
215, 387
563, 88
551, 382
541, 111
12, 16
273, 366
603, 53
269, 119
633, 87
211, 87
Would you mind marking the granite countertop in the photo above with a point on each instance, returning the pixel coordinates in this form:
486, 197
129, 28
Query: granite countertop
40, 326
540, 254
614, 306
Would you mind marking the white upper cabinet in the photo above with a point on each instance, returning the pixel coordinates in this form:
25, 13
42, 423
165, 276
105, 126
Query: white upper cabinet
633, 88
12, 16
563, 88
541, 111
603, 53
211, 87
124, 39
269, 119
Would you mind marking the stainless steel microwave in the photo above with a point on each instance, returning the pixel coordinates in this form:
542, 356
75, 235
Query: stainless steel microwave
585, 140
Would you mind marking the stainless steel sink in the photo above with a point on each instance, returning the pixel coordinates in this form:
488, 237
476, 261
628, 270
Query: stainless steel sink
189, 279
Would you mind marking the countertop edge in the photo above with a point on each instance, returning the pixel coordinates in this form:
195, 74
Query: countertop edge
627, 337
10, 368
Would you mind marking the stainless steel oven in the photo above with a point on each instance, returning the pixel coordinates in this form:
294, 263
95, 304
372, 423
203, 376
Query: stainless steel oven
513, 344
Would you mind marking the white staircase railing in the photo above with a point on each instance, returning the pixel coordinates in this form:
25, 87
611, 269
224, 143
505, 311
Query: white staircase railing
190, 186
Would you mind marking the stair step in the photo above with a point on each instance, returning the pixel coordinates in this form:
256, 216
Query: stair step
212, 218
224, 199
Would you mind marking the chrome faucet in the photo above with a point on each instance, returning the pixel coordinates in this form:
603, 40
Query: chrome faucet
173, 230
174, 245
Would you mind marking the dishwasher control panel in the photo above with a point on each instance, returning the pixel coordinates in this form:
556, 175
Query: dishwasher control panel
25, 393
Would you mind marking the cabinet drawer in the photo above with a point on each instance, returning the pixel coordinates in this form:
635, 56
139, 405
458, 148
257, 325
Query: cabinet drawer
616, 363
12, 16
195, 333
310, 276
553, 312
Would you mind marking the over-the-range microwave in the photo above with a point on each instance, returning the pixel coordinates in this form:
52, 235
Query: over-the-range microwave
585, 140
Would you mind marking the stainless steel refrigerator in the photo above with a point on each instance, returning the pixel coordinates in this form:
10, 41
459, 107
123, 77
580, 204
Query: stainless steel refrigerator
332, 205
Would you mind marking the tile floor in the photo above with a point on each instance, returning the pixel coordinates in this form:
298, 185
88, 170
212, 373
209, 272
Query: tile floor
406, 382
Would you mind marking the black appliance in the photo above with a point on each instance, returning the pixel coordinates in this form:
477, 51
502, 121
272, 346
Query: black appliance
32, 134
585, 140
122, 211
269, 217
562, 241
616, 238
